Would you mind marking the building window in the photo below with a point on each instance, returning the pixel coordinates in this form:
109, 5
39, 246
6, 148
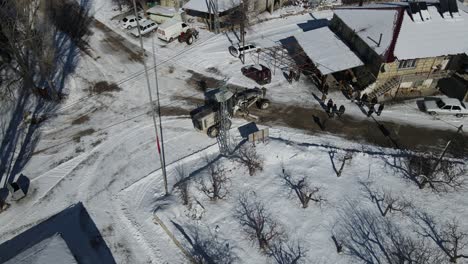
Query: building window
407, 64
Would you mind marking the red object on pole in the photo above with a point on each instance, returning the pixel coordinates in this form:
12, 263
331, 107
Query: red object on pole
157, 143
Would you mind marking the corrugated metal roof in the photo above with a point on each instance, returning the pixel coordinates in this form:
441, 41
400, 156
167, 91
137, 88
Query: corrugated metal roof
327, 51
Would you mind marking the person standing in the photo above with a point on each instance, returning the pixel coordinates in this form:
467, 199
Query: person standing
380, 109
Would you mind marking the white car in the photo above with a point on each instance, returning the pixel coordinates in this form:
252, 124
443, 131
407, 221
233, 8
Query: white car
130, 21
238, 50
146, 27
445, 106
171, 30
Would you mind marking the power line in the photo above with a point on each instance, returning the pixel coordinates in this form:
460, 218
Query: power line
139, 73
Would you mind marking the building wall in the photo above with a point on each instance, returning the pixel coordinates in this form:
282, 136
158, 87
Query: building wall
423, 67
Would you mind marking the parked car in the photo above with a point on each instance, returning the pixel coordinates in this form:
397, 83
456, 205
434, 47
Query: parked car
171, 29
445, 106
130, 21
146, 27
257, 72
238, 50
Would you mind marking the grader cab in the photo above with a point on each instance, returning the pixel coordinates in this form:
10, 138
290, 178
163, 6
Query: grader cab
206, 118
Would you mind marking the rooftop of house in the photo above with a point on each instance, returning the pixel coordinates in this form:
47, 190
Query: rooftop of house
408, 31
50, 250
203, 5
327, 51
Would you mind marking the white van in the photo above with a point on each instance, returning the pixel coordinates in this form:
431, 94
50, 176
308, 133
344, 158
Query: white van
171, 29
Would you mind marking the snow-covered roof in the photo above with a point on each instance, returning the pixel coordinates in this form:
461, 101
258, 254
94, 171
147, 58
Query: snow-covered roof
432, 38
50, 250
202, 5
369, 24
404, 38
327, 51
161, 10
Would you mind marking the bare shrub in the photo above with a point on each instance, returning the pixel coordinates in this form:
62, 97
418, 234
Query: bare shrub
341, 159
447, 237
248, 156
370, 238
428, 172
302, 188
286, 252
183, 184
385, 201
256, 221
215, 185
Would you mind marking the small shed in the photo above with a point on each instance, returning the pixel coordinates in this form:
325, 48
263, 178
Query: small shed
19, 189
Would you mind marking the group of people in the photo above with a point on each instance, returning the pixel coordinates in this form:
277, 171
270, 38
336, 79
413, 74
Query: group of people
364, 100
332, 109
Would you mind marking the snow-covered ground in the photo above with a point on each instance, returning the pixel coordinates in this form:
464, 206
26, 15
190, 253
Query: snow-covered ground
100, 149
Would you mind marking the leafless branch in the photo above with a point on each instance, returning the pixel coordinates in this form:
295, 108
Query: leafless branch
257, 222
302, 188
215, 186
448, 237
385, 201
248, 156
341, 159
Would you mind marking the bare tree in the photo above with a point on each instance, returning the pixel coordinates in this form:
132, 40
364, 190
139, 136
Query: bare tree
385, 201
248, 156
302, 188
215, 187
448, 237
257, 222
439, 175
183, 184
286, 252
341, 159
371, 238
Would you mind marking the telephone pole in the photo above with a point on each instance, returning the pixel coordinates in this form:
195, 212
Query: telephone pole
153, 111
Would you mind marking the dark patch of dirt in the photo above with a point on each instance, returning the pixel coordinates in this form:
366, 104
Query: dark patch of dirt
173, 111
80, 120
77, 137
384, 134
117, 43
201, 82
103, 87
361, 130
213, 70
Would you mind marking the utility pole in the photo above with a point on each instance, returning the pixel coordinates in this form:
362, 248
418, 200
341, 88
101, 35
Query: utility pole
445, 150
242, 31
153, 111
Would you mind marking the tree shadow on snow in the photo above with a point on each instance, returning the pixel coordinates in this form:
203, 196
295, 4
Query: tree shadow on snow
25, 113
